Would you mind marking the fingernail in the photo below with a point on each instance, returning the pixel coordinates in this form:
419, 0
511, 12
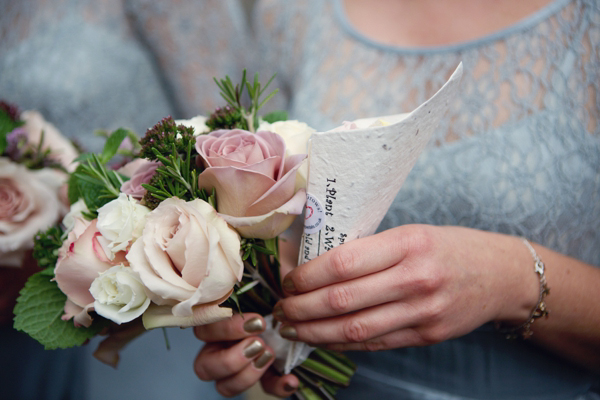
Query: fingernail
263, 359
289, 388
288, 285
253, 349
278, 312
288, 332
254, 325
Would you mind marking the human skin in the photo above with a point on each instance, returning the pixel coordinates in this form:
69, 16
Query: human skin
419, 284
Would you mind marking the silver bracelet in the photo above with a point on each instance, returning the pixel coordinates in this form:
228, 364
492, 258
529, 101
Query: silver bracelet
524, 330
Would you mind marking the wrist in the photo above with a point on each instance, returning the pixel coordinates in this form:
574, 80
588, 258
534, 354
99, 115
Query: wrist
522, 285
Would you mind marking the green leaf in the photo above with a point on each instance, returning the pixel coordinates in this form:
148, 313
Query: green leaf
92, 194
276, 116
7, 125
73, 192
112, 144
38, 313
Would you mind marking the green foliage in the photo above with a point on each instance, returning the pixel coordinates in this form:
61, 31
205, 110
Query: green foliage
8, 123
92, 180
38, 313
167, 138
233, 95
226, 118
275, 116
111, 146
176, 177
45, 247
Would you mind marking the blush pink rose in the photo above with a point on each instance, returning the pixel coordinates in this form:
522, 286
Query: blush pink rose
143, 174
81, 259
29, 202
61, 149
189, 260
253, 179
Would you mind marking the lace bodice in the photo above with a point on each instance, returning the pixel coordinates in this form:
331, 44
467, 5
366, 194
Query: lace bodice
518, 151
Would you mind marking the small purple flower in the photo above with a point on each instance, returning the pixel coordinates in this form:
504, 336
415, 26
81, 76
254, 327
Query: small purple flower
15, 143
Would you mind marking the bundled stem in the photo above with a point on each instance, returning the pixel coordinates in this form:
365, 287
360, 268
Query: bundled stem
324, 372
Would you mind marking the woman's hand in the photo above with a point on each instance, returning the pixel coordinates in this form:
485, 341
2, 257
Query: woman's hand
413, 285
236, 358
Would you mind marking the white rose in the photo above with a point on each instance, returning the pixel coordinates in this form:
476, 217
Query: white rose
61, 148
189, 260
295, 134
120, 222
75, 213
119, 295
29, 202
198, 123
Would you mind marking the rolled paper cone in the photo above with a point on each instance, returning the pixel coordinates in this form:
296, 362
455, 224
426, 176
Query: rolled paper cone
354, 175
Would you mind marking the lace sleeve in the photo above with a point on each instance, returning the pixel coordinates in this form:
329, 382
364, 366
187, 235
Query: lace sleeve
192, 42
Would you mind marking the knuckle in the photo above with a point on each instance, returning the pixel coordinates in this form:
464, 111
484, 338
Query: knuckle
434, 334
421, 240
373, 345
339, 298
291, 310
343, 262
201, 372
355, 331
224, 390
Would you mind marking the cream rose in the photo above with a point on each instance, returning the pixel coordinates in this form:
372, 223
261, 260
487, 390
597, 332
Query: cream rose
294, 133
253, 179
29, 202
61, 149
198, 123
189, 260
120, 222
119, 295
75, 212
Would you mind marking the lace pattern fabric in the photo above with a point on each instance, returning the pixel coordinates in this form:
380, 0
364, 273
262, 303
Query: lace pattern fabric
518, 150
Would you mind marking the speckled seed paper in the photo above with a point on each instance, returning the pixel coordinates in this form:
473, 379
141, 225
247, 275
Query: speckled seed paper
354, 175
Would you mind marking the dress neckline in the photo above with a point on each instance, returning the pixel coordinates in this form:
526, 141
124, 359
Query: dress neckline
523, 24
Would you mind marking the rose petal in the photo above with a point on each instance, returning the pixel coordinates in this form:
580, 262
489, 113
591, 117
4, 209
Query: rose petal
272, 224
161, 316
237, 189
280, 192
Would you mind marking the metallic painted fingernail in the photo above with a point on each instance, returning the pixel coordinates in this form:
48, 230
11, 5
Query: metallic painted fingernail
263, 359
289, 388
288, 332
278, 312
254, 325
253, 349
288, 285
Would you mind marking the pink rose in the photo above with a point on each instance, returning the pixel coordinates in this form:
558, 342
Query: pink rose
81, 259
143, 174
189, 260
254, 181
61, 149
29, 202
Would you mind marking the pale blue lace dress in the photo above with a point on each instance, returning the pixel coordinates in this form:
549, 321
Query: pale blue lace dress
518, 153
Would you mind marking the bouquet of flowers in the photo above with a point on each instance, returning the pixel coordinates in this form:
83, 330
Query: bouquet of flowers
184, 234
34, 160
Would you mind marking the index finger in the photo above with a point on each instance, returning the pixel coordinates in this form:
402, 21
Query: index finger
234, 328
349, 261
